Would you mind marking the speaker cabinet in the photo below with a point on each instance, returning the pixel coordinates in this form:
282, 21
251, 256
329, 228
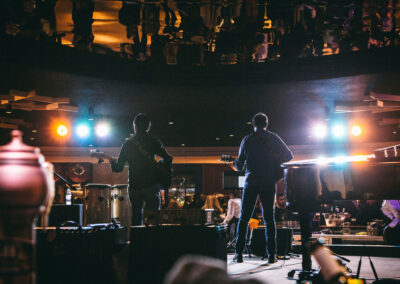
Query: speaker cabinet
284, 238
155, 249
61, 213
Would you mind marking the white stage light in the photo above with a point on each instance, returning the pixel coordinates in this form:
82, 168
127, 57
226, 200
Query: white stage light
102, 129
320, 131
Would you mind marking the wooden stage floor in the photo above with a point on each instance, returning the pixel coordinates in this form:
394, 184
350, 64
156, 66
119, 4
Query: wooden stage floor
254, 267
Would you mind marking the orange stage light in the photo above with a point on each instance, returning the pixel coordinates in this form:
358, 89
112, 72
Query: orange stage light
62, 130
356, 130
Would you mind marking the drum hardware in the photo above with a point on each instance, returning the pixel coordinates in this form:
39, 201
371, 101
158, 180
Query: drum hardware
67, 183
79, 172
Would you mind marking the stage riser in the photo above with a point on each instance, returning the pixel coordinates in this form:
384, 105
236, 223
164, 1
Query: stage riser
154, 250
80, 256
371, 250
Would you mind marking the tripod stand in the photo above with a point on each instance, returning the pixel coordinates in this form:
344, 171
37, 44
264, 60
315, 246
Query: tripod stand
232, 244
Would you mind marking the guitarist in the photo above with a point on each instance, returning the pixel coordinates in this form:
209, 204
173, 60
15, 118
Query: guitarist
140, 152
260, 153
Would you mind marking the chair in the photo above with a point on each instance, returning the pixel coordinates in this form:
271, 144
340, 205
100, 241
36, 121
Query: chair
253, 224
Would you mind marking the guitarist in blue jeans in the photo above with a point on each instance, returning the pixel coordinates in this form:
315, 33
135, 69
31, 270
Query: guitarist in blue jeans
139, 152
260, 153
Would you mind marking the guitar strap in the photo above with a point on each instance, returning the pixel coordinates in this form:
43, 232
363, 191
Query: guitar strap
144, 152
149, 157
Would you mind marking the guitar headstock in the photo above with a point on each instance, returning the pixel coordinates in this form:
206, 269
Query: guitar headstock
227, 158
99, 155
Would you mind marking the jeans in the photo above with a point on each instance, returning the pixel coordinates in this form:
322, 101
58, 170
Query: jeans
249, 198
148, 197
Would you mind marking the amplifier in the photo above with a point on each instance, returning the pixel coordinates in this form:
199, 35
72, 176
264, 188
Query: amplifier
76, 254
155, 249
284, 239
61, 213
178, 217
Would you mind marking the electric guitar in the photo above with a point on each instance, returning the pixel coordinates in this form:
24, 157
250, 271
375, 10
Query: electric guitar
227, 158
278, 170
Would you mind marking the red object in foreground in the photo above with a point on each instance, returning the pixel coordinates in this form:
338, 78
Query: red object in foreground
26, 189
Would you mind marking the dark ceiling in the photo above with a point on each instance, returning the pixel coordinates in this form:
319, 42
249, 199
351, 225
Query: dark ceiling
205, 102
202, 105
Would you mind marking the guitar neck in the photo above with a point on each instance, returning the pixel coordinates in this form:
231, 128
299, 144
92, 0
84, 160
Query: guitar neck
227, 158
100, 155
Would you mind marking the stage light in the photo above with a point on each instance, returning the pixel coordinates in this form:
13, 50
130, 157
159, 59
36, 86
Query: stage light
8, 109
322, 160
62, 130
91, 113
82, 130
356, 130
102, 129
320, 131
338, 131
340, 159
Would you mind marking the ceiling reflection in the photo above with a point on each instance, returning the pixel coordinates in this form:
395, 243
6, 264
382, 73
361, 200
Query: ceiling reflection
206, 32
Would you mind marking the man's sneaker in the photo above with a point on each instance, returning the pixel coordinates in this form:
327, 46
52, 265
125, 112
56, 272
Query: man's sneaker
272, 259
238, 258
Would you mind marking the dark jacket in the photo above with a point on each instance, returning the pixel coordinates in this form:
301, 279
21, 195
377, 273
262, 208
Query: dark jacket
142, 172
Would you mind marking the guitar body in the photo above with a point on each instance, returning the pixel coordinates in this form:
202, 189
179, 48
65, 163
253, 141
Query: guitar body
278, 170
164, 174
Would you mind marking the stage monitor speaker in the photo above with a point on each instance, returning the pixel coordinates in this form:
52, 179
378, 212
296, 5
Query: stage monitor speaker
155, 249
60, 213
284, 238
79, 255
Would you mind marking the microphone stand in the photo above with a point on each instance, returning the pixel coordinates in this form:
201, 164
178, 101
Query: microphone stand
64, 180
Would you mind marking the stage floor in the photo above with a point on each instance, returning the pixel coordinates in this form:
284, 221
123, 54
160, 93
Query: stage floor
254, 267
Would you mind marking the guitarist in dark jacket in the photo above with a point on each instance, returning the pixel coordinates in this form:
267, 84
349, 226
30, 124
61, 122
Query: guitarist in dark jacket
140, 152
260, 153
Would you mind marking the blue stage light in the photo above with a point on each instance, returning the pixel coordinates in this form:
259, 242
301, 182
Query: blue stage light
83, 130
338, 131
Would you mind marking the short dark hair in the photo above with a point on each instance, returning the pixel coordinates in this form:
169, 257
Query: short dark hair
280, 195
260, 120
142, 122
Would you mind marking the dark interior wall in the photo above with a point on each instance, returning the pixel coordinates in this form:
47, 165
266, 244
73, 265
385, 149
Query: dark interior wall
191, 169
212, 177
200, 112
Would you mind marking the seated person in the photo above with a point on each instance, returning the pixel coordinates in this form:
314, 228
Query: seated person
350, 206
233, 214
391, 209
199, 201
368, 210
282, 213
213, 203
173, 204
189, 202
